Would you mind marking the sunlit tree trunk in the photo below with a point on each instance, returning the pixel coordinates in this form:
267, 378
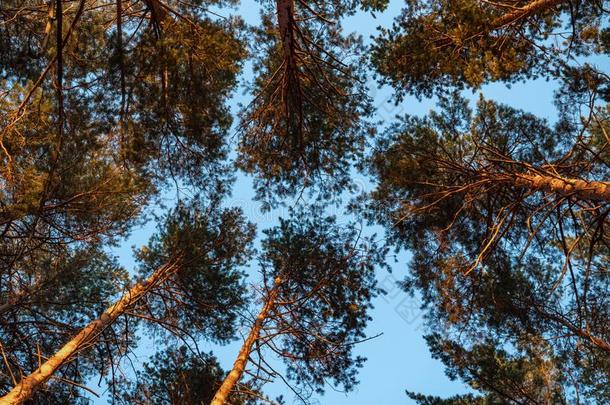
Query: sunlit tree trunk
221, 396
523, 12
509, 18
586, 190
31, 383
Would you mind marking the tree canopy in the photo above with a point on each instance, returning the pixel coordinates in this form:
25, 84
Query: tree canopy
120, 115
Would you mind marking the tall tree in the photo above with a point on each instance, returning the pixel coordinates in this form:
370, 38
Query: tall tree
318, 284
507, 221
96, 125
88, 179
198, 252
77, 286
32, 382
308, 119
441, 44
505, 215
215, 245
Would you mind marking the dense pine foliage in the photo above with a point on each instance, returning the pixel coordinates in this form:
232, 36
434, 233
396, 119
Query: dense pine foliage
117, 114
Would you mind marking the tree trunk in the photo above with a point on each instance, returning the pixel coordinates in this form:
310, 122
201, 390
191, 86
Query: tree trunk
242, 358
586, 190
285, 21
523, 12
158, 13
504, 20
29, 384
49, 27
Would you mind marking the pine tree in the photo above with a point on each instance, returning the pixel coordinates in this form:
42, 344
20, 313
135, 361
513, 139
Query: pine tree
308, 120
196, 257
108, 108
102, 113
505, 215
438, 45
318, 284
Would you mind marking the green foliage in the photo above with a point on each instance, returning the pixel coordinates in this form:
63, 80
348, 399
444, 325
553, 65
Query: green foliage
490, 257
421, 159
176, 377
178, 91
327, 274
76, 287
375, 5
438, 45
307, 123
136, 113
528, 378
134, 118
212, 245
97, 128
467, 399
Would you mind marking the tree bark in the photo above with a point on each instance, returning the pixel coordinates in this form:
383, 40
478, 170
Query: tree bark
158, 13
586, 190
221, 396
285, 21
31, 383
49, 27
523, 12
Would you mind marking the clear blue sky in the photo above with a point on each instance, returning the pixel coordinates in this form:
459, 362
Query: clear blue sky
399, 359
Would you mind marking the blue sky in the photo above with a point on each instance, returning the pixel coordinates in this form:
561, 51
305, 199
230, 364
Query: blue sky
399, 358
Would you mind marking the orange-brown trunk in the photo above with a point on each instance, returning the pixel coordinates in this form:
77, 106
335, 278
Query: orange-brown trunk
586, 190
31, 383
222, 395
